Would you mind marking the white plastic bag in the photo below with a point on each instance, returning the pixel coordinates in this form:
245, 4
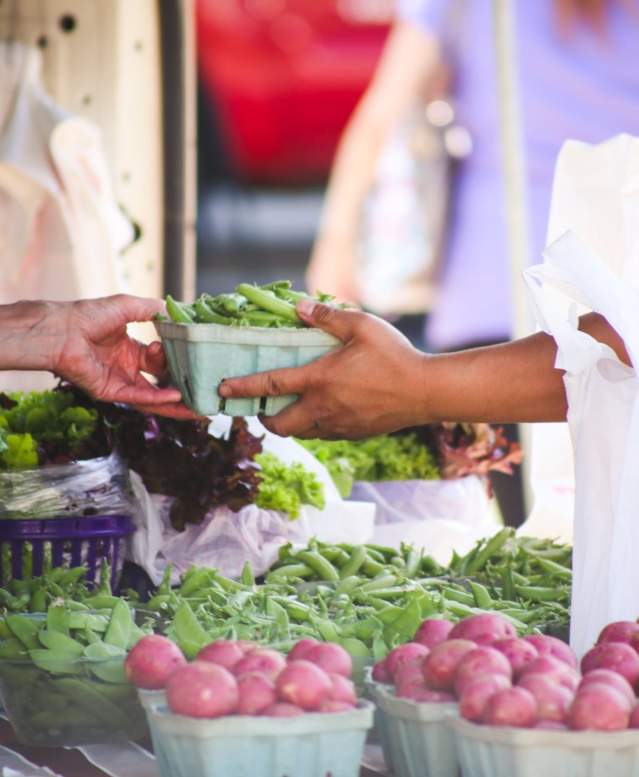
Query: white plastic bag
62, 231
603, 416
438, 515
594, 195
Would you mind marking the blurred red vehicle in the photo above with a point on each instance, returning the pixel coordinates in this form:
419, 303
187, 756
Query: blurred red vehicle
279, 79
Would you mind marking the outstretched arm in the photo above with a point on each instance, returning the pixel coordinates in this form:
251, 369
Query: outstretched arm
377, 382
86, 342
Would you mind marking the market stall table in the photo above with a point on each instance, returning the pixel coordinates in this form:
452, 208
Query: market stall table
92, 761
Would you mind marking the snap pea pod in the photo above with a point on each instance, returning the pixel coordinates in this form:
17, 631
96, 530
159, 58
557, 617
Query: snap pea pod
491, 548
289, 571
321, 566
178, 311
555, 570
205, 315
536, 593
352, 566
267, 300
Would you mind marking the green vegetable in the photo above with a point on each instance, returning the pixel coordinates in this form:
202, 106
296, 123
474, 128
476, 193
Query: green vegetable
286, 488
178, 311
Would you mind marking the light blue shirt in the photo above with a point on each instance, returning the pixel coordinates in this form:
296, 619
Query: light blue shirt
584, 87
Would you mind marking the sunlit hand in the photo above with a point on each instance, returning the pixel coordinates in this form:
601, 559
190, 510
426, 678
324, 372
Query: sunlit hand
86, 343
373, 384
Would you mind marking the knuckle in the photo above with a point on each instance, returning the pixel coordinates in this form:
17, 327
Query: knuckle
272, 385
324, 314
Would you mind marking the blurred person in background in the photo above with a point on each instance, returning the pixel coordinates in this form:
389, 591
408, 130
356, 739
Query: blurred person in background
577, 78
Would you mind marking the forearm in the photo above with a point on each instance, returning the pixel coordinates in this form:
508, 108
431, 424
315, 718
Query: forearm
510, 383
30, 334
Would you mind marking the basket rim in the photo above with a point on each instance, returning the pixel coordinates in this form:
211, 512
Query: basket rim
246, 335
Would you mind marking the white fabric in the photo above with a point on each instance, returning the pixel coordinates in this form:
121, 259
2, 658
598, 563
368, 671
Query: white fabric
61, 229
603, 416
595, 194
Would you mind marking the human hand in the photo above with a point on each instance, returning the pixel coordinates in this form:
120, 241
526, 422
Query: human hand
331, 269
91, 348
375, 383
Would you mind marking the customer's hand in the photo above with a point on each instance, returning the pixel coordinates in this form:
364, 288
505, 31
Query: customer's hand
375, 383
86, 343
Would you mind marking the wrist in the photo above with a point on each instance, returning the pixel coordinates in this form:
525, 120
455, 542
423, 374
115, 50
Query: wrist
31, 335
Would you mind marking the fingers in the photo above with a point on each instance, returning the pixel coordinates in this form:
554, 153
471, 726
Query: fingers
296, 419
137, 308
344, 324
170, 410
267, 384
152, 359
144, 393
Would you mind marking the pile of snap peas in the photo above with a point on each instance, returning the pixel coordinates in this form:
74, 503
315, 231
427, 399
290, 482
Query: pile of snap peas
62, 678
271, 305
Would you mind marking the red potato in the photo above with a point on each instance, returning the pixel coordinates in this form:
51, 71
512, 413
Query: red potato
422, 693
608, 677
432, 632
477, 692
551, 646
282, 710
551, 725
331, 705
262, 660
411, 651
304, 684
380, 673
440, 665
483, 628
515, 707
152, 661
408, 675
619, 631
332, 658
480, 661
223, 653
301, 648
256, 693
553, 700
617, 656
518, 652
202, 690
342, 689
633, 721
599, 707
553, 667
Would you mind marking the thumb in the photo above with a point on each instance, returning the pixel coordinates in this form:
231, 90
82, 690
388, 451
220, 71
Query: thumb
343, 324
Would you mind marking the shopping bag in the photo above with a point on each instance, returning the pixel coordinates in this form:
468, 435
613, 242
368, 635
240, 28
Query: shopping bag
603, 417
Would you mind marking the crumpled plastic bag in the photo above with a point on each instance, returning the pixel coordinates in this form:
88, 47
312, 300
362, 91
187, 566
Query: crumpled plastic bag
94, 487
439, 515
62, 231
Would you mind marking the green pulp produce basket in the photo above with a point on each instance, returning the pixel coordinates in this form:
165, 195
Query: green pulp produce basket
416, 736
311, 745
201, 356
71, 702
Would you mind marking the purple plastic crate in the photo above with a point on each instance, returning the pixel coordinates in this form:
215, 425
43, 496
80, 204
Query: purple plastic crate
71, 542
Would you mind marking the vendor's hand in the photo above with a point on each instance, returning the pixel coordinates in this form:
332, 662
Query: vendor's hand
375, 383
92, 349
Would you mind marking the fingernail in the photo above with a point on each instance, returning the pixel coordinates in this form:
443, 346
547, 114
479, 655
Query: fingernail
306, 307
224, 390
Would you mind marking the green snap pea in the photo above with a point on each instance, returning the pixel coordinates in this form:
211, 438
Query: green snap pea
354, 563
335, 555
25, 630
491, 548
247, 577
348, 585
321, 566
413, 562
555, 569
371, 567
481, 595
58, 620
536, 593
191, 637
178, 311
383, 581
388, 613
60, 643
463, 597
268, 301
289, 571
205, 315
38, 601
356, 647
118, 631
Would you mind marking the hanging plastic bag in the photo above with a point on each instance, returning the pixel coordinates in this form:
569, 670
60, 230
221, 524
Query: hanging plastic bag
62, 231
439, 515
592, 196
603, 416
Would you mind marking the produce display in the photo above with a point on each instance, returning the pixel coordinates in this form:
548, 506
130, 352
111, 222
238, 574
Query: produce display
271, 305
43, 428
242, 678
425, 453
62, 678
534, 681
